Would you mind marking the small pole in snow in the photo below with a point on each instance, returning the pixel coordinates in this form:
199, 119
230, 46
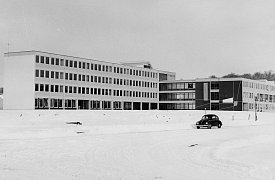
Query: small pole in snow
256, 118
249, 117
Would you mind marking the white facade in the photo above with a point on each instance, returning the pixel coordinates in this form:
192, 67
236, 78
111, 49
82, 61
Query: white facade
19, 82
259, 95
40, 80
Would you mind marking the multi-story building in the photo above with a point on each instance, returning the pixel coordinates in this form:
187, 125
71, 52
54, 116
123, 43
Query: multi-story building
234, 94
41, 80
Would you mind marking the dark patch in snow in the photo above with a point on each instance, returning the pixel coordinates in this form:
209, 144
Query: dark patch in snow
77, 123
158, 177
192, 145
80, 132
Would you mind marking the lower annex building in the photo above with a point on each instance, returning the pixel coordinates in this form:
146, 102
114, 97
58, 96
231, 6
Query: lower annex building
41, 80
227, 94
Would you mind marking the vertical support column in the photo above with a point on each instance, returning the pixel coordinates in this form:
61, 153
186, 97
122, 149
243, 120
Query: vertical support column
112, 105
122, 105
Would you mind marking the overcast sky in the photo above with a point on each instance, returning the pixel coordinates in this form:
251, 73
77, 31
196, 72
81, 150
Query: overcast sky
194, 38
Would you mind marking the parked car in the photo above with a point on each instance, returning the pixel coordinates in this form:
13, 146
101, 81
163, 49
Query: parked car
208, 121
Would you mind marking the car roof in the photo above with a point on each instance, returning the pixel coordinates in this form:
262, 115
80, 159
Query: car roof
210, 115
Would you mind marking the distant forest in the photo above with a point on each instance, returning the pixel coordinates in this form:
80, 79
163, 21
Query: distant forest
268, 75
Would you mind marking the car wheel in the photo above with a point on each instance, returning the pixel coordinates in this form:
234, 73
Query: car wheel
198, 127
219, 125
209, 126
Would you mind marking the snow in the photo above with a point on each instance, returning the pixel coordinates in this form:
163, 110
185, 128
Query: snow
137, 145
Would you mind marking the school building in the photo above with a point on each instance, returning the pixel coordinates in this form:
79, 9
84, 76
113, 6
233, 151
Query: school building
42, 80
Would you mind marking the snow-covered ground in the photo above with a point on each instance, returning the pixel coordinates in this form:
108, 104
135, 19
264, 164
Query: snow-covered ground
122, 145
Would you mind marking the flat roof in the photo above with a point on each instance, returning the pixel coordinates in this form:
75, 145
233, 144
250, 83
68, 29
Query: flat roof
221, 79
33, 52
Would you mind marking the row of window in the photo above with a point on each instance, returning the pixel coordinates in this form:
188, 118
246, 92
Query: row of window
176, 96
93, 91
254, 85
176, 86
95, 79
92, 66
46, 103
260, 107
259, 97
177, 106
52, 103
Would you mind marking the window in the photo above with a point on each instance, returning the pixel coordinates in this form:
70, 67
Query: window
52, 61
190, 86
214, 95
214, 85
56, 88
36, 87
36, 73
52, 74
47, 60
47, 75
92, 78
46, 88
52, 88
41, 73
57, 61
71, 63
42, 59
37, 59
62, 62
67, 63
56, 75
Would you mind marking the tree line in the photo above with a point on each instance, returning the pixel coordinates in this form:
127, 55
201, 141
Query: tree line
268, 75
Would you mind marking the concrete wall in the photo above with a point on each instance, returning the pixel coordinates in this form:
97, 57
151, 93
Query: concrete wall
19, 82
